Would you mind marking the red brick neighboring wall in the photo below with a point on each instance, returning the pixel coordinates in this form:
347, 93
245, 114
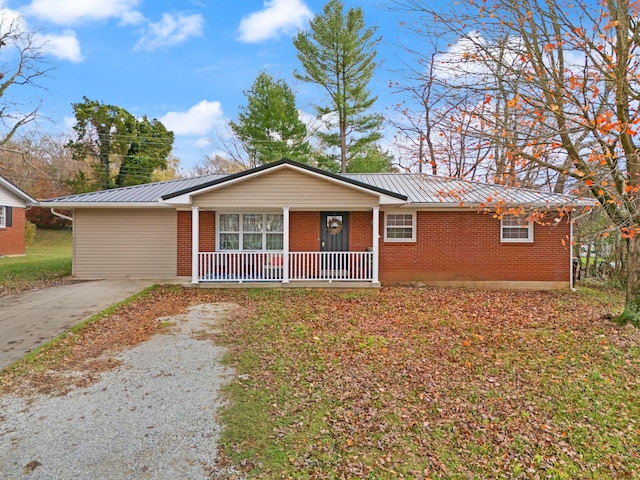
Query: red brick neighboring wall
465, 246
12, 240
206, 237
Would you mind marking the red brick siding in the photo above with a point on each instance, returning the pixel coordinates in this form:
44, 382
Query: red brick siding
304, 231
12, 238
466, 246
450, 246
184, 244
206, 238
360, 233
207, 231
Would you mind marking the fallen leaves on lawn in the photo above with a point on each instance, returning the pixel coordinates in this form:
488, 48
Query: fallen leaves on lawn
418, 383
404, 382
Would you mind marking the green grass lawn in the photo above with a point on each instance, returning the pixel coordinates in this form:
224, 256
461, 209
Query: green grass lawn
47, 259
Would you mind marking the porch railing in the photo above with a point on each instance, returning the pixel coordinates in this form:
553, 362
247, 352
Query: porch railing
269, 266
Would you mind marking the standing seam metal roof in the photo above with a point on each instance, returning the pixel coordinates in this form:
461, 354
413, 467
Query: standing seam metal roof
421, 189
148, 192
430, 189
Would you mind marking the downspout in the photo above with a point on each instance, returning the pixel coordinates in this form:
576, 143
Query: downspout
61, 215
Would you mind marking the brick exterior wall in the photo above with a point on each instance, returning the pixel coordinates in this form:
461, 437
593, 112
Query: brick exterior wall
12, 240
207, 238
450, 246
465, 246
304, 231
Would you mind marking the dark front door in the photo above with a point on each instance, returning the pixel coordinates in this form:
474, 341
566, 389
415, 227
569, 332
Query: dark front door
334, 232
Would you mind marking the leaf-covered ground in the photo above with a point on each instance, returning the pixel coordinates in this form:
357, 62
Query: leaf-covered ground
402, 382
433, 383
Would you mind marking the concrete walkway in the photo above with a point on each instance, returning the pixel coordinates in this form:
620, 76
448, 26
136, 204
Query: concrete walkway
32, 318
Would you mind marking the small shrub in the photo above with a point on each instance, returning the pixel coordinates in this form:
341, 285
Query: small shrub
30, 232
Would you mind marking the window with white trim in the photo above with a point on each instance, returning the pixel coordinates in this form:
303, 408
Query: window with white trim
400, 227
3, 217
516, 229
250, 231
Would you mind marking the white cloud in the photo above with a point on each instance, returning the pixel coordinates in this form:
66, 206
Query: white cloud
69, 123
277, 16
198, 120
202, 142
171, 30
69, 12
64, 46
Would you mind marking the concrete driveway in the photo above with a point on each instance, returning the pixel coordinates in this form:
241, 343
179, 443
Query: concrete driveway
32, 318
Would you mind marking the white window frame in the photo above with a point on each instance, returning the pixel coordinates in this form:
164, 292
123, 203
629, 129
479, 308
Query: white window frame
413, 227
520, 224
3, 217
241, 231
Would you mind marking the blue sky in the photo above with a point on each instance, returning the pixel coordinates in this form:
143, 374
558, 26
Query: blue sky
185, 62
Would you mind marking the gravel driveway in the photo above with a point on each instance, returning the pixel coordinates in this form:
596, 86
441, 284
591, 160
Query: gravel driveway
153, 417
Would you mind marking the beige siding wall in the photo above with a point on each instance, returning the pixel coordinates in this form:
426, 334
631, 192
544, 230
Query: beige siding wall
9, 199
286, 188
110, 243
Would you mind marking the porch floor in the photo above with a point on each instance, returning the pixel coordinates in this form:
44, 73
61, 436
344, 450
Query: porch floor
296, 284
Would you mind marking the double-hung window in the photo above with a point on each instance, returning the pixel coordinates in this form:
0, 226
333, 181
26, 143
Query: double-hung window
400, 227
516, 229
3, 217
250, 231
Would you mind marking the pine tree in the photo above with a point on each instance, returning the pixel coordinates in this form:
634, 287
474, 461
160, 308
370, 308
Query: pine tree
338, 54
269, 125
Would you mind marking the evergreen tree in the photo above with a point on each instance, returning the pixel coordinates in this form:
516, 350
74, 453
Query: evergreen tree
338, 54
269, 125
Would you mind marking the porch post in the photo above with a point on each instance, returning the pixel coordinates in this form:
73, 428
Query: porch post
195, 243
376, 245
285, 241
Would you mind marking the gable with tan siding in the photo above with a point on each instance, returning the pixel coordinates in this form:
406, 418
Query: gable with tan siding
286, 187
112, 242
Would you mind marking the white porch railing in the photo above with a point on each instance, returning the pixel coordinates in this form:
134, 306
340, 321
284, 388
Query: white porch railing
269, 266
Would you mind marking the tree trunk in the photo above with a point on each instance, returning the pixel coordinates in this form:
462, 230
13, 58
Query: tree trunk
587, 271
631, 312
343, 147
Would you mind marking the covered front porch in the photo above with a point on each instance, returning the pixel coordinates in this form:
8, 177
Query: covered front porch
278, 260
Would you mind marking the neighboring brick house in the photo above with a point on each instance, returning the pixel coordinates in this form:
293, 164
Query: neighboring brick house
13, 202
297, 225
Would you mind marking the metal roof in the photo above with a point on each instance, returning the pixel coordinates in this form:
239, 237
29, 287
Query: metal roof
146, 193
418, 189
433, 190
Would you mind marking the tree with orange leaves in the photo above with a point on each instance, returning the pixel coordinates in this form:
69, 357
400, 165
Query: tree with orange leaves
569, 73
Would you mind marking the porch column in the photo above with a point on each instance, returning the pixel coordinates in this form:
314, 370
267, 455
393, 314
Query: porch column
285, 241
376, 245
195, 243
